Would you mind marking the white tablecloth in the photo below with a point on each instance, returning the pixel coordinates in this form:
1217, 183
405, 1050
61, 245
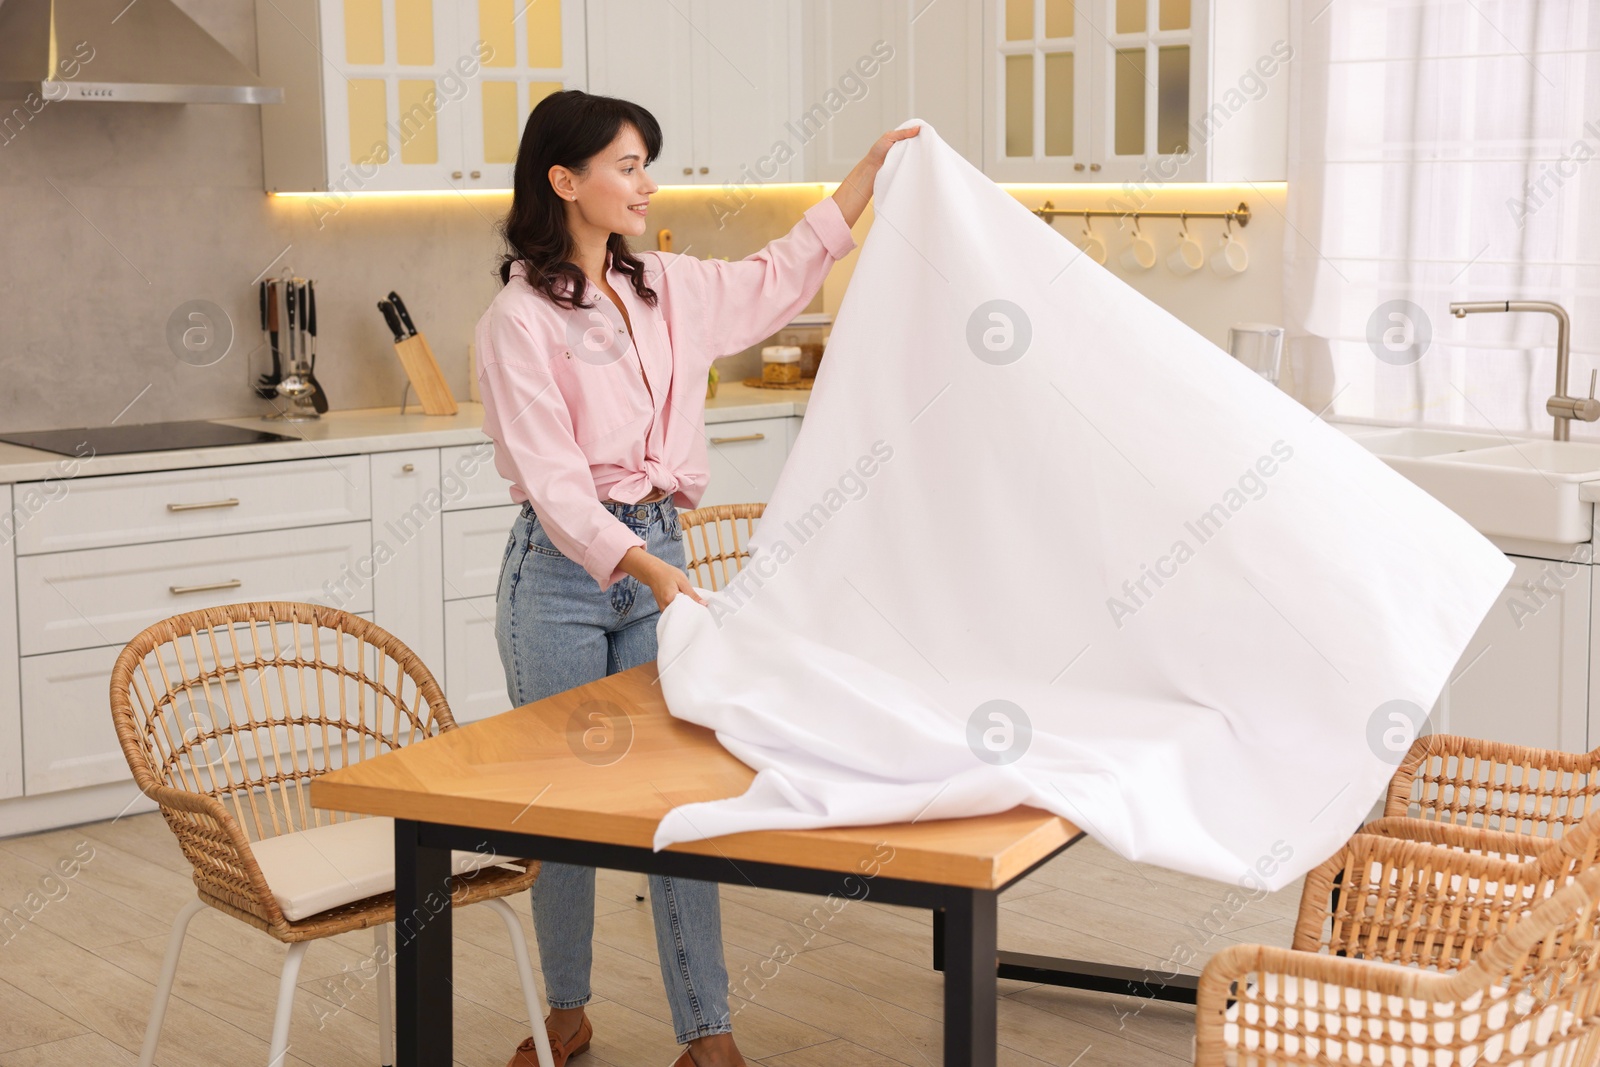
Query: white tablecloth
1062, 550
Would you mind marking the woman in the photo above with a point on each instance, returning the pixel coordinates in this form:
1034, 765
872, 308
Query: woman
596, 405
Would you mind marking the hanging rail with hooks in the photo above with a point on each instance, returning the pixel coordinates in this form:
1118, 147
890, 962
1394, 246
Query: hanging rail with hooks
1240, 214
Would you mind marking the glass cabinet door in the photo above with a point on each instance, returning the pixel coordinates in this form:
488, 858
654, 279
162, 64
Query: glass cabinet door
528, 51
1095, 90
391, 94
1150, 90
1040, 85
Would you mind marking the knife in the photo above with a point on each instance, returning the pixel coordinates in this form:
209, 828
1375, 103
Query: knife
405, 316
392, 317
271, 295
288, 304
319, 399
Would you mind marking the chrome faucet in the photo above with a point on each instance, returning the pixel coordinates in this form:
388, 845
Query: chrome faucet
1565, 408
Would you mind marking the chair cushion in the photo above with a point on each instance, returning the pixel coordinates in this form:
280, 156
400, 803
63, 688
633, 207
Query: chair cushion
1324, 1020
310, 871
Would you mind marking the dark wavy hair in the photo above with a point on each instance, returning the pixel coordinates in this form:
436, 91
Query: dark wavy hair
567, 128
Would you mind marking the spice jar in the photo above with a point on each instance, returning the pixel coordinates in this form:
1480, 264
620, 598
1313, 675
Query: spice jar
780, 364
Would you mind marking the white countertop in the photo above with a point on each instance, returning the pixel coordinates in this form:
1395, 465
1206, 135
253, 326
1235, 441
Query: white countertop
345, 433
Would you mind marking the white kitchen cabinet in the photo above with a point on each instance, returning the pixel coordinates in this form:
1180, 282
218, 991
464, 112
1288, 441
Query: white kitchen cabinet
407, 546
72, 742
474, 544
872, 64
720, 76
744, 459
477, 687
469, 478
100, 596
407, 94
10, 683
1593, 574
642, 50
1524, 677
67, 716
198, 502
1144, 91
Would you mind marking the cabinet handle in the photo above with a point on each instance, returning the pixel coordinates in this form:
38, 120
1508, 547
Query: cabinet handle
231, 502
455, 174
688, 170
742, 437
1094, 166
179, 590
1077, 166
409, 467
705, 170
477, 174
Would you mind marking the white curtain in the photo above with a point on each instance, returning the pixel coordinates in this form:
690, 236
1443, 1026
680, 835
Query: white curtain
1441, 150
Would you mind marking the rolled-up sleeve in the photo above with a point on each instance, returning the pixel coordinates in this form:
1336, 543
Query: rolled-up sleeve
741, 302
527, 417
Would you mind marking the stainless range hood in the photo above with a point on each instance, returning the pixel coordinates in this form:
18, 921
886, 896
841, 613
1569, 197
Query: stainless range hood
109, 50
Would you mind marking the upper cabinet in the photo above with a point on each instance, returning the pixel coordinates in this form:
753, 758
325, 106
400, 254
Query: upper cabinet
872, 64
1134, 90
408, 94
719, 76
433, 94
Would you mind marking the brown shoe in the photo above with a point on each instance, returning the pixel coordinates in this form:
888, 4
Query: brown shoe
684, 1060
527, 1055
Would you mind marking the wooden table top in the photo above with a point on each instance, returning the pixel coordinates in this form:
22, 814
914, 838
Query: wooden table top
567, 767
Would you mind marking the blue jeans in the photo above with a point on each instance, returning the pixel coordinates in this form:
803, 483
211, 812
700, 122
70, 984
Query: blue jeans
556, 629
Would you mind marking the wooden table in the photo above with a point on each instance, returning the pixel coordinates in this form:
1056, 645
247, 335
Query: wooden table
584, 777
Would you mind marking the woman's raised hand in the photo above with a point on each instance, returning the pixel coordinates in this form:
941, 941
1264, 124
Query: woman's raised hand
856, 189
880, 147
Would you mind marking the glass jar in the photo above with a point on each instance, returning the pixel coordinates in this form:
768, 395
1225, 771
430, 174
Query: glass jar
780, 365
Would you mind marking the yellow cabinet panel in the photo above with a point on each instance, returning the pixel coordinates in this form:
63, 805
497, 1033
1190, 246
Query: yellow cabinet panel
413, 32
544, 35
369, 135
419, 121
363, 32
497, 28
499, 122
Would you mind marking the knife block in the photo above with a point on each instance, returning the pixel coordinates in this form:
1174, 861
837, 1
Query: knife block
426, 378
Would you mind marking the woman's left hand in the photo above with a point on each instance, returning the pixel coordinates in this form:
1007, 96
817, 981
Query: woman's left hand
880, 147
856, 189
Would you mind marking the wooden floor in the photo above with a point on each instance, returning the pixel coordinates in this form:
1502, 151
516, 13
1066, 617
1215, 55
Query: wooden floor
76, 981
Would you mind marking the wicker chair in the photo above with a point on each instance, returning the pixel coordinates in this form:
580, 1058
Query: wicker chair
225, 716
1429, 953
1495, 786
714, 545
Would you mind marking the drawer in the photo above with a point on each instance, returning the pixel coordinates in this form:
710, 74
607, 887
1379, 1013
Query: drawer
744, 459
136, 509
476, 686
474, 545
67, 714
468, 479
103, 596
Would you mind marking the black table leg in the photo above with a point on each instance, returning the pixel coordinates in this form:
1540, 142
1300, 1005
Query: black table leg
422, 936
967, 945
1082, 974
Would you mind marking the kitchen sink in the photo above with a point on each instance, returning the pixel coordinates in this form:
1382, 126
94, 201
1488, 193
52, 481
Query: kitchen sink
1524, 489
1420, 443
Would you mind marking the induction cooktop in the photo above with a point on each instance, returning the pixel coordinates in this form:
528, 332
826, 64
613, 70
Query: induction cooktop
141, 437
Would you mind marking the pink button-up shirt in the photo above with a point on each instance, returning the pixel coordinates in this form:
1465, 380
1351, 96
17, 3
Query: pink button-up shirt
573, 419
